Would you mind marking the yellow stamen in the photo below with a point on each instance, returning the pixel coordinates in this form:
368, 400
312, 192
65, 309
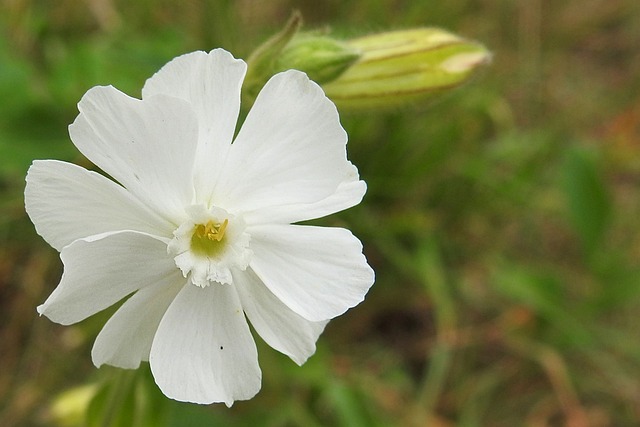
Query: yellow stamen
206, 237
212, 231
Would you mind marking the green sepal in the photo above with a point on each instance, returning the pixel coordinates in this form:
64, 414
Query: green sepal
261, 62
322, 58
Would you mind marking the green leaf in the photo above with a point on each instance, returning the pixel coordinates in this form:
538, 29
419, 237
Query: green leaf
588, 201
544, 294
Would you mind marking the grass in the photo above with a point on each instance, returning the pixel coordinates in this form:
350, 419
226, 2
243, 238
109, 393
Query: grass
501, 220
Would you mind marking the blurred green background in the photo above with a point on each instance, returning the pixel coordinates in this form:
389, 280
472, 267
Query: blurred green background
501, 220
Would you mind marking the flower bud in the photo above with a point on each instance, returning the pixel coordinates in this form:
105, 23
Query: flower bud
399, 67
322, 58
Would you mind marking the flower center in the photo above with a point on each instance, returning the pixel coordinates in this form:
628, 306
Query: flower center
207, 238
209, 245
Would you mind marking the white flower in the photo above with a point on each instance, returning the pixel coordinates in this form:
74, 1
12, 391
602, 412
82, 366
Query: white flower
199, 230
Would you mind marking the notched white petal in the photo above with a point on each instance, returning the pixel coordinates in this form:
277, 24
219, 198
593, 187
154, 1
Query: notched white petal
125, 340
203, 351
348, 194
318, 272
277, 324
101, 270
210, 83
147, 146
66, 202
291, 149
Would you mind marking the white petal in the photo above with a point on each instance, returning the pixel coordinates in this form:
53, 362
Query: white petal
281, 328
349, 193
211, 83
148, 146
67, 202
203, 351
291, 148
101, 270
318, 272
125, 340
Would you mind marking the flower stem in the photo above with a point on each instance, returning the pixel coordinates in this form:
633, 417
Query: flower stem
433, 276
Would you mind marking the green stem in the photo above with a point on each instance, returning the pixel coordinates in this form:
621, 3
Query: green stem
433, 276
120, 390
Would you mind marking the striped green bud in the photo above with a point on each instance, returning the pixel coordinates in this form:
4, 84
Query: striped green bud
400, 67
